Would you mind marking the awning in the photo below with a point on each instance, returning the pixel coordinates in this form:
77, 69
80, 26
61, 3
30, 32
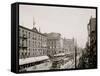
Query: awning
32, 59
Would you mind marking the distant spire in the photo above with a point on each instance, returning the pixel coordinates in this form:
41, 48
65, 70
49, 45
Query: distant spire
91, 16
73, 39
33, 21
39, 29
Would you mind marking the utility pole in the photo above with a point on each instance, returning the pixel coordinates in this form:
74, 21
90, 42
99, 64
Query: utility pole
75, 57
75, 53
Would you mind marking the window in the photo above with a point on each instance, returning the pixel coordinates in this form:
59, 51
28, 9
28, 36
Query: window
29, 43
26, 33
20, 32
29, 34
33, 43
33, 52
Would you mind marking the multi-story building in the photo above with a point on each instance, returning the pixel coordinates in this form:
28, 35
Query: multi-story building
56, 44
69, 46
32, 47
32, 43
36, 47
89, 54
92, 54
53, 43
60, 50
92, 31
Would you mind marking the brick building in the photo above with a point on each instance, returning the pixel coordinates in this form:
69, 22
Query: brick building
32, 43
32, 47
69, 46
91, 44
36, 48
56, 44
53, 43
89, 55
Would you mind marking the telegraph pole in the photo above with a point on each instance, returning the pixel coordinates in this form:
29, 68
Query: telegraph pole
75, 57
75, 54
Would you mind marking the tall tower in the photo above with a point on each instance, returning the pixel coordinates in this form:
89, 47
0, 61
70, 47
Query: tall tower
39, 29
33, 22
35, 26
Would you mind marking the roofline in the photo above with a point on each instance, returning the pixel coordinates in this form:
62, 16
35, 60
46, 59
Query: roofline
31, 30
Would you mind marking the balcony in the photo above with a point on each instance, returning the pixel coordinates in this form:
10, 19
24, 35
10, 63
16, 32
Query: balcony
23, 37
22, 47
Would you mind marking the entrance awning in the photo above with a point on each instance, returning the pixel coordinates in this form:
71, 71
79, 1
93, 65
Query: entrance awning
32, 59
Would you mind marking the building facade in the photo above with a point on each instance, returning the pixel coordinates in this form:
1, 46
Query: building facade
32, 43
53, 43
69, 46
56, 44
91, 44
89, 54
36, 49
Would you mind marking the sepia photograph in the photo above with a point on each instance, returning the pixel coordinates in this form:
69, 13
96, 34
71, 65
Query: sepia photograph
56, 38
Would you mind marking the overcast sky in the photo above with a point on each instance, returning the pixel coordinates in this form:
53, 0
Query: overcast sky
69, 22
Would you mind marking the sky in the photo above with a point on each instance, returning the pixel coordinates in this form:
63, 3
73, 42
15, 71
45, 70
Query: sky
69, 22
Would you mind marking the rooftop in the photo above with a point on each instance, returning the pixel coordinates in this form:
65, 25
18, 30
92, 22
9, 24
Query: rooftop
32, 30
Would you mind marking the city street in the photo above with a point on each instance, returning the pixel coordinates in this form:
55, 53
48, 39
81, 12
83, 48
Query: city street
61, 62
